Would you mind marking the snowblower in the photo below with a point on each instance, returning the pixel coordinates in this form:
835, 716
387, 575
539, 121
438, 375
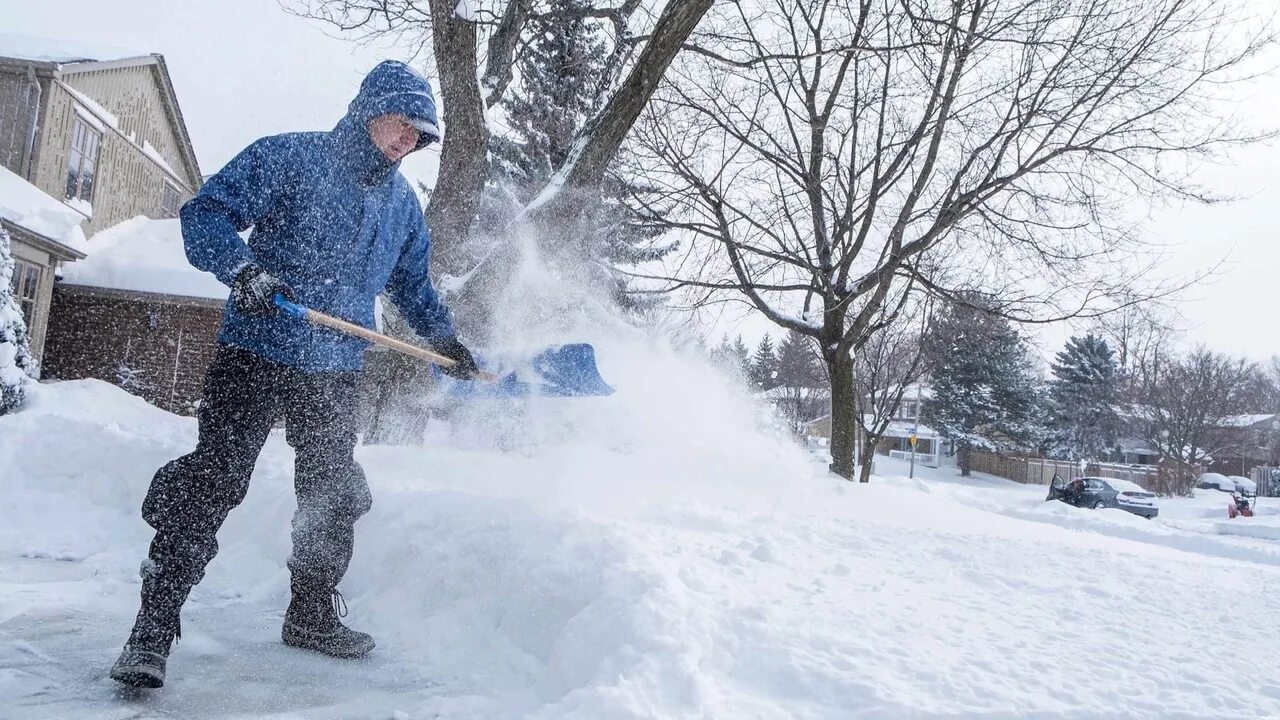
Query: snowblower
561, 371
1239, 505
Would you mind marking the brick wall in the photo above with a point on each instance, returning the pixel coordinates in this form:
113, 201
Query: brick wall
155, 346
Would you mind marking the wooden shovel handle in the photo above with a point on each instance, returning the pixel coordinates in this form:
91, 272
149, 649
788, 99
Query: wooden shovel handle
329, 321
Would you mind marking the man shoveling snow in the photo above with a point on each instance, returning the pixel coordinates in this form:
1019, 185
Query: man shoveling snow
334, 224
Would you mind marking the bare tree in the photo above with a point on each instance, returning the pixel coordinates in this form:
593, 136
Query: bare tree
1143, 334
819, 154
1187, 405
890, 363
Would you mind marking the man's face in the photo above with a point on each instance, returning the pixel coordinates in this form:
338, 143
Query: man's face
394, 135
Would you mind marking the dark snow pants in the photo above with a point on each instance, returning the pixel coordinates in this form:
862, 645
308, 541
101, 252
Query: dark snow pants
244, 396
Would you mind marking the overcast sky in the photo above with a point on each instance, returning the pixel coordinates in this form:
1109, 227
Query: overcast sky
245, 68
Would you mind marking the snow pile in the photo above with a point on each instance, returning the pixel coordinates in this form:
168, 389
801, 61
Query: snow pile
600, 575
144, 255
25, 205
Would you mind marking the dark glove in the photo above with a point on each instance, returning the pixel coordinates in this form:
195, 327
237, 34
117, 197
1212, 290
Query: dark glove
254, 290
465, 369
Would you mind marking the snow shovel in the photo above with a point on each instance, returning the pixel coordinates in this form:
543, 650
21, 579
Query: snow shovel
563, 371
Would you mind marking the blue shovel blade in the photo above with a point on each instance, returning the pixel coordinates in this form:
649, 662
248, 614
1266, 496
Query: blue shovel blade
563, 371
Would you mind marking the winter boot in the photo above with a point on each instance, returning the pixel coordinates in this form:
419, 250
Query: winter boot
142, 663
312, 622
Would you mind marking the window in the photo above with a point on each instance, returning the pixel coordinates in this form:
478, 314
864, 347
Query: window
26, 288
170, 200
909, 410
82, 161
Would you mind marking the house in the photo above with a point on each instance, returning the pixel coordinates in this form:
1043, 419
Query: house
1246, 442
903, 426
43, 233
137, 314
94, 132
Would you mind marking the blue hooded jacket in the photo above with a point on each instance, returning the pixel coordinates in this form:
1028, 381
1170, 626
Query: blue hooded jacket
332, 218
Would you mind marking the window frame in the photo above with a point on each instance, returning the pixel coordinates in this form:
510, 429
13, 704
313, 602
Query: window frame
27, 277
169, 191
78, 157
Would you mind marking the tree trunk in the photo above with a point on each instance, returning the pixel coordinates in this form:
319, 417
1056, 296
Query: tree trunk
865, 461
464, 153
963, 458
844, 426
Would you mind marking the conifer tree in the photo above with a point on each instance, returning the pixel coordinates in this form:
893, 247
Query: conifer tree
985, 392
17, 366
1082, 397
560, 76
764, 365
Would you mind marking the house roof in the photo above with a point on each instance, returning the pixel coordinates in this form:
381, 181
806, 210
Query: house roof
51, 221
1247, 421
143, 255
58, 58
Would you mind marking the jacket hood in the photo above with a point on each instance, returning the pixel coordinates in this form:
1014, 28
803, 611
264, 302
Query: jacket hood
391, 87
394, 87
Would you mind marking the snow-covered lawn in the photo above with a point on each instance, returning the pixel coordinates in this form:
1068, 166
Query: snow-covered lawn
633, 557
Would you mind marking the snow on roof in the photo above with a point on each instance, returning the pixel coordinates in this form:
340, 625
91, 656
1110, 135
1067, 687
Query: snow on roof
904, 428
924, 392
1244, 421
57, 50
143, 255
29, 207
97, 113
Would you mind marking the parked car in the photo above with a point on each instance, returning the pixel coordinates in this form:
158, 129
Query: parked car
1215, 481
1097, 493
1244, 486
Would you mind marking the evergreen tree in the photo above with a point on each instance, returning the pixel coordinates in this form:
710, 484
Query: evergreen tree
802, 379
559, 80
733, 357
797, 365
764, 365
741, 356
984, 388
1082, 397
17, 366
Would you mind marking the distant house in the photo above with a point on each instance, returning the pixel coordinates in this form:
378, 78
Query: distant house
905, 424
98, 135
1247, 441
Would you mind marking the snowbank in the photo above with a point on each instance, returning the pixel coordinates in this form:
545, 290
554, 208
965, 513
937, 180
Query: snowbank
23, 204
598, 573
145, 255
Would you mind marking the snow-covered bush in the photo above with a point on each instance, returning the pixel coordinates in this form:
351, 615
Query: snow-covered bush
17, 366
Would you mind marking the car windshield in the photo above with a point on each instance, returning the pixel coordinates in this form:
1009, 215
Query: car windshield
1127, 486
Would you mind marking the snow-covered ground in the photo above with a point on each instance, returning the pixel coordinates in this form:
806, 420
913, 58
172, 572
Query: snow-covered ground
631, 557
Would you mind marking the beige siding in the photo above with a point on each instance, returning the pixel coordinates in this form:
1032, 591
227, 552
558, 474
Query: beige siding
134, 96
128, 183
15, 119
40, 258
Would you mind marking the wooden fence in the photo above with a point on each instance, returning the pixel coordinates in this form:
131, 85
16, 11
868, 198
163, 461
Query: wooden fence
1268, 481
1163, 479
